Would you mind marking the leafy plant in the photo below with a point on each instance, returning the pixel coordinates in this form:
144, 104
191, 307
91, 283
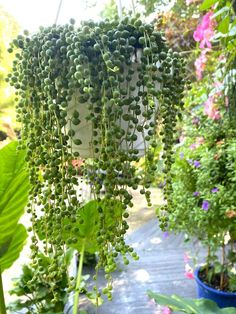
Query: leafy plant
14, 186
36, 296
189, 306
204, 195
204, 169
115, 83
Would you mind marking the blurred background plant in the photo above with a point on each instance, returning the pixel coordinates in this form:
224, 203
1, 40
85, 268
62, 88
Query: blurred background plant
8, 30
204, 171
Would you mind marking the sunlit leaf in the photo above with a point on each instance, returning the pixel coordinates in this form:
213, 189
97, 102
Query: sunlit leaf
189, 306
224, 25
207, 4
14, 186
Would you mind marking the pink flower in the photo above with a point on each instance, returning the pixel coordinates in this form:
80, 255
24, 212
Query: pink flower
199, 140
211, 110
204, 31
200, 64
189, 275
193, 146
189, 272
166, 310
186, 258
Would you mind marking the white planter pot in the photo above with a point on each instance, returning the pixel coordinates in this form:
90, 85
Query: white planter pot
84, 130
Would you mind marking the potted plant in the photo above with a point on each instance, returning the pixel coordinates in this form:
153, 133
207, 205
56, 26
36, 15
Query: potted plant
117, 83
204, 202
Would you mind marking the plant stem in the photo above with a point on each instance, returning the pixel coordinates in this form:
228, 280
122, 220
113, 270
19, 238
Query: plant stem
208, 259
78, 281
2, 300
222, 270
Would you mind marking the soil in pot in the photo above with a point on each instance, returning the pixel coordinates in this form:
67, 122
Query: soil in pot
215, 280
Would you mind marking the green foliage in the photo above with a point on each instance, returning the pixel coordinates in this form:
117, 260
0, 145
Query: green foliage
189, 306
207, 4
14, 186
8, 30
86, 228
204, 172
116, 77
36, 296
110, 10
225, 39
9, 251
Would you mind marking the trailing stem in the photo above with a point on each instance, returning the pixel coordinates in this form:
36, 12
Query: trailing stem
222, 268
2, 300
78, 281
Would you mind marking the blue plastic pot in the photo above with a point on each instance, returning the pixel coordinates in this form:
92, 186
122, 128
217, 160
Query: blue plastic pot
223, 299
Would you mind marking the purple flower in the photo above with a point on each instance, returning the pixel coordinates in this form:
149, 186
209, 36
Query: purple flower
205, 205
196, 193
181, 155
165, 234
190, 161
214, 190
197, 163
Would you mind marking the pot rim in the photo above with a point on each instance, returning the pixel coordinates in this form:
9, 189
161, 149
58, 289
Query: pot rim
201, 283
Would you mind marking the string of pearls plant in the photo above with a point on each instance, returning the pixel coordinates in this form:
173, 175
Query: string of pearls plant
115, 82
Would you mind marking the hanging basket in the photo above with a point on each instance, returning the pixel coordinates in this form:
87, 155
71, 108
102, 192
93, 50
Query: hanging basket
84, 131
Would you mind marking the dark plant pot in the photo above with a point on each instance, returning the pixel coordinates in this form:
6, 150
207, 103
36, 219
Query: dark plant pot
223, 299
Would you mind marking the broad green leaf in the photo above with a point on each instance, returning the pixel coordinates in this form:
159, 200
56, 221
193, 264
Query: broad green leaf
189, 306
175, 302
87, 225
14, 248
207, 4
224, 25
14, 186
84, 229
207, 307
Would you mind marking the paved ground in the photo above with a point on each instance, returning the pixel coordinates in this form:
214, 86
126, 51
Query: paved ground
160, 268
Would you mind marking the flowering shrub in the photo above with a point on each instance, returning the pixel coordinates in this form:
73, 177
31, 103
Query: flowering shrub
204, 193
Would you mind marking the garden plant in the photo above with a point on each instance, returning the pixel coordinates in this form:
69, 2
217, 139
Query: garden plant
119, 83
204, 169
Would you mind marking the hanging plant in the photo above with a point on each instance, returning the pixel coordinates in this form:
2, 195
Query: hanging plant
104, 91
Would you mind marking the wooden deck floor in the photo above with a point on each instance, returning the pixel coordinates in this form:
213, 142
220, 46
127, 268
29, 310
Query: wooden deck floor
160, 268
